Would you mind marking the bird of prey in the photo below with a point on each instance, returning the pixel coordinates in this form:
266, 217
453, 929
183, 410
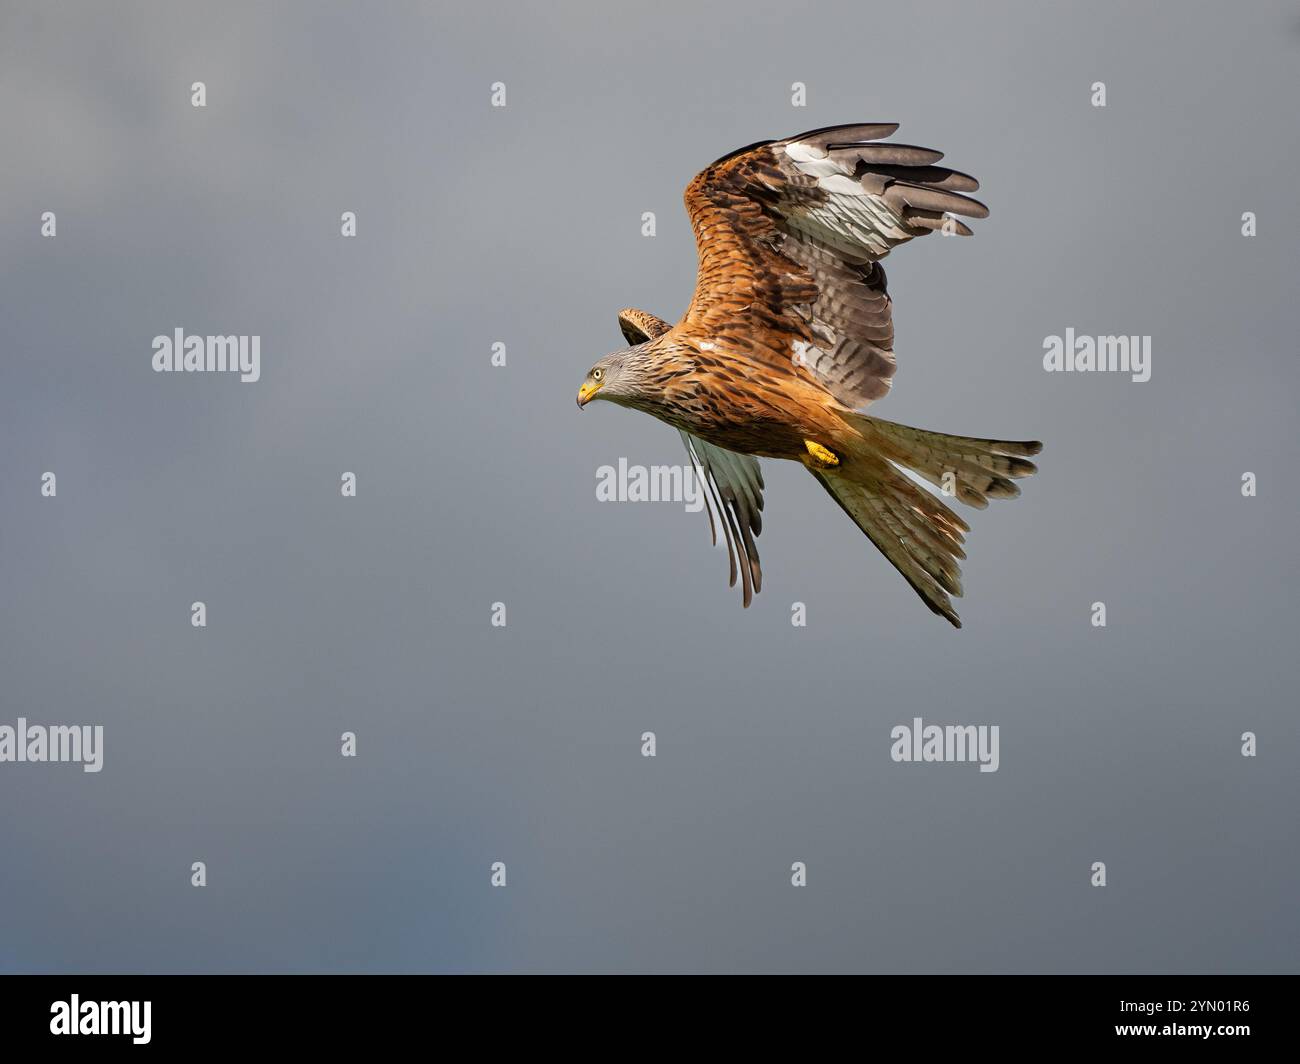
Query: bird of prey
790, 334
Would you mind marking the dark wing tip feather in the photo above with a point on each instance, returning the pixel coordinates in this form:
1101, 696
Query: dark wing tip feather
927, 198
843, 136
890, 154
933, 176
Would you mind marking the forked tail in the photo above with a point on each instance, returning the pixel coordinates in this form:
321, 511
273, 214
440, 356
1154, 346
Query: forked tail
915, 529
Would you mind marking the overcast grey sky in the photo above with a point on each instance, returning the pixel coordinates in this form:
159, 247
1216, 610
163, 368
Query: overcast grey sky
477, 484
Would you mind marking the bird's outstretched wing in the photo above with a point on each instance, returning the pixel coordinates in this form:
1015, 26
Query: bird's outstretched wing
790, 234
732, 483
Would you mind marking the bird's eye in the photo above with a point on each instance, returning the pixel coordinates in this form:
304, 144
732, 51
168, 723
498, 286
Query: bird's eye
596, 374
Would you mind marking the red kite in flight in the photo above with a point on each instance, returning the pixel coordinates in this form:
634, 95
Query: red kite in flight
790, 334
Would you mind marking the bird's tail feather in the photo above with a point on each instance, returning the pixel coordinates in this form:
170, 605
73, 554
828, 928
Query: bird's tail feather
974, 470
915, 529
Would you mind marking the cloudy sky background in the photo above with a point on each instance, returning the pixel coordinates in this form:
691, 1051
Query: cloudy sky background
476, 484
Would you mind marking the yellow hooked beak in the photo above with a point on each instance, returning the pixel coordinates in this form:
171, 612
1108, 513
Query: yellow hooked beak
588, 389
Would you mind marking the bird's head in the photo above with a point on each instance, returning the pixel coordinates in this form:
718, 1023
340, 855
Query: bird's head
617, 378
